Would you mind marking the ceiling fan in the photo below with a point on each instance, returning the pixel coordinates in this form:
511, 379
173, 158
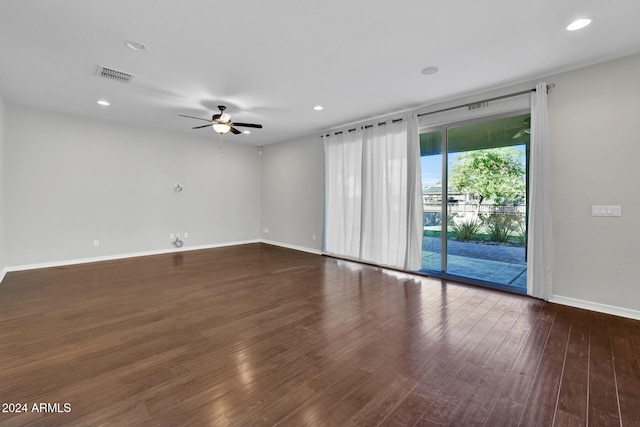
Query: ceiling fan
526, 129
222, 123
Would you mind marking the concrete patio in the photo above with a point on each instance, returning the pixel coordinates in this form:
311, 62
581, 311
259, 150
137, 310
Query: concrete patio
502, 264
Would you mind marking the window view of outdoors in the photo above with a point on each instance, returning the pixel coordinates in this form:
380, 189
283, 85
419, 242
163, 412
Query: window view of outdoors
484, 201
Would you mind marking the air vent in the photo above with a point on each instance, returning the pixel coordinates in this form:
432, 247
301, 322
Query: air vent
111, 74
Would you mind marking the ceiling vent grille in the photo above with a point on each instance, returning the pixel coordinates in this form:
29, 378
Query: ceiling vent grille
112, 74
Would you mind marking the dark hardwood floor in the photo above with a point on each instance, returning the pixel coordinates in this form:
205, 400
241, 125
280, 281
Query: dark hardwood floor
259, 335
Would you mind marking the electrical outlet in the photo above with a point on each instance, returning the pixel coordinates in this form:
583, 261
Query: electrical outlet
171, 236
313, 237
186, 235
266, 230
96, 242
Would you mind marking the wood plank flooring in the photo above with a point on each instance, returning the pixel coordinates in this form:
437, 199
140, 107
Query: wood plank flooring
256, 335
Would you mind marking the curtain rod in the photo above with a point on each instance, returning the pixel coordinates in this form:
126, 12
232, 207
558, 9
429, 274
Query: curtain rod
470, 105
361, 127
478, 104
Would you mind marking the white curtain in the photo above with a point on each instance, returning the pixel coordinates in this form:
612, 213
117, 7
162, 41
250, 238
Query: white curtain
373, 194
539, 248
343, 193
415, 224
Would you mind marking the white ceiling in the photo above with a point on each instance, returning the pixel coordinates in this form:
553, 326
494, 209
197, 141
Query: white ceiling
271, 61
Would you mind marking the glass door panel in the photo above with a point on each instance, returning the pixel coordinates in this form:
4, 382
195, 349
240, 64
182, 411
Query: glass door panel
431, 164
483, 200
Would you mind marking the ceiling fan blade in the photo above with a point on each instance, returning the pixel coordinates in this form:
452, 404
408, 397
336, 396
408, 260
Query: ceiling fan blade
234, 130
248, 125
203, 126
523, 133
520, 134
197, 118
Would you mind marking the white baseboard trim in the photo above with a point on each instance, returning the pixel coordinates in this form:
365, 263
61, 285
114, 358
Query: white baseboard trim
294, 247
3, 272
122, 256
595, 306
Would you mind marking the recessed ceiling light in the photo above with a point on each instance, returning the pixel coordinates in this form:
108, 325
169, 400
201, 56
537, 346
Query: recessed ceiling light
104, 103
430, 70
134, 45
318, 108
246, 132
578, 24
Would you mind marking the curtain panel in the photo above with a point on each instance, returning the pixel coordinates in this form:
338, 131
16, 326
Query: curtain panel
343, 193
539, 248
374, 194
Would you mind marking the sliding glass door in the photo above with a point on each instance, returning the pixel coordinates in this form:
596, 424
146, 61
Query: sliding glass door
474, 177
432, 195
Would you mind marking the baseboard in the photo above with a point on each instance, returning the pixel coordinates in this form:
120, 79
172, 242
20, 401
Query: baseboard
294, 247
122, 256
594, 306
3, 272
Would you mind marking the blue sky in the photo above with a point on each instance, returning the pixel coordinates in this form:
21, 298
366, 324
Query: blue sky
431, 169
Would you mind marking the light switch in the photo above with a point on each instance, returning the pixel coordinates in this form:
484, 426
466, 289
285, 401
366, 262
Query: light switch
606, 210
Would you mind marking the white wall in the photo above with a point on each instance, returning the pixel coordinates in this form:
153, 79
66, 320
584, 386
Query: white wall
2, 182
594, 121
293, 192
594, 128
73, 180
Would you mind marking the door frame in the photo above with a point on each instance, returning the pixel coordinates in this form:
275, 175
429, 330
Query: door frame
443, 127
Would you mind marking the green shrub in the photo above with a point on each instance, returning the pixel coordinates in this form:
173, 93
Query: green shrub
521, 231
499, 226
467, 229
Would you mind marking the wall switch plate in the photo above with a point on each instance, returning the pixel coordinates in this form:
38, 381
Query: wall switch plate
606, 210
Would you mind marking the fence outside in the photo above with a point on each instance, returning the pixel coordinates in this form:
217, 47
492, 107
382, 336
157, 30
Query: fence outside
472, 208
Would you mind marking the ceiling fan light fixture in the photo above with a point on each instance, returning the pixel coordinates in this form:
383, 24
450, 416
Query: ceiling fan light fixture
221, 128
221, 123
